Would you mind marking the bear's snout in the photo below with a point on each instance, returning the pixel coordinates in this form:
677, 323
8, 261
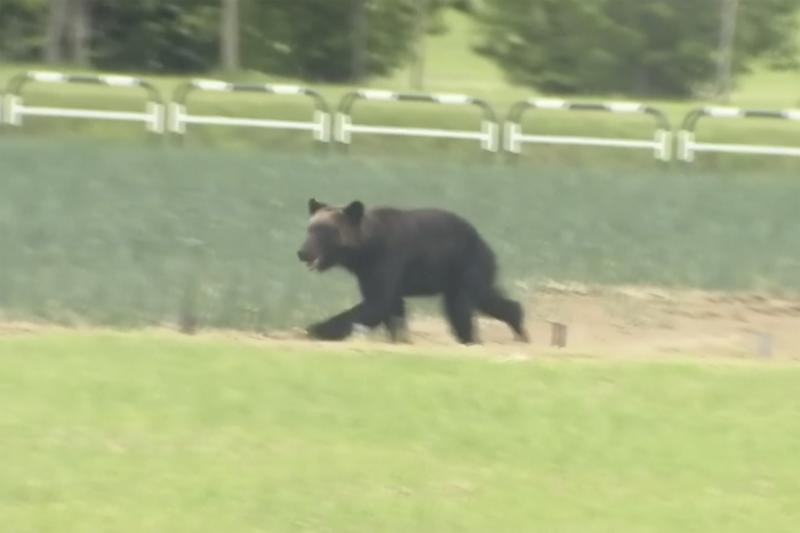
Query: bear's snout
309, 259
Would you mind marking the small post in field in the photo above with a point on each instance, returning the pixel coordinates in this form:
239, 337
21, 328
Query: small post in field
558, 334
764, 345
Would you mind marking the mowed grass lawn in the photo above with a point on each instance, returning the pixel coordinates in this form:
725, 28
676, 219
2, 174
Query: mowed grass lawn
151, 432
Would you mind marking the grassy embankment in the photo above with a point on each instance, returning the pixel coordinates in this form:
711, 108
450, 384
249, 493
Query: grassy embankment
152, 433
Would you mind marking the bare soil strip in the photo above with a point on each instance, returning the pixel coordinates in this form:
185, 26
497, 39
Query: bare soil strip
601, 322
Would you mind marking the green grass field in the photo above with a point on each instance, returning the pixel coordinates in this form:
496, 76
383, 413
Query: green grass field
125, 235
150, 432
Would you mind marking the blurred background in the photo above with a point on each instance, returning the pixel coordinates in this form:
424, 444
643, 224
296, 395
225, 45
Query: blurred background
112, 225
674, 48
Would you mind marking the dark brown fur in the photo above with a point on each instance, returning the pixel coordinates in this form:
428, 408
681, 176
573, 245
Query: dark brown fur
396, 253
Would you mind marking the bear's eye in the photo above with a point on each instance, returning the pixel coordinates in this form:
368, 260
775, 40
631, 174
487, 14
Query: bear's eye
323, 232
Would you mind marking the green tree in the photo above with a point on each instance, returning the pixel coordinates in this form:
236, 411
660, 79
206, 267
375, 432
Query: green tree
330, 40
665, 47
68, 31
317, 39
229, 35
769, 28
21, 29
156, 35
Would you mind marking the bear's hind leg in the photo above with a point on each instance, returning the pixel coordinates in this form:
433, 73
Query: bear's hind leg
458, 308
506, 310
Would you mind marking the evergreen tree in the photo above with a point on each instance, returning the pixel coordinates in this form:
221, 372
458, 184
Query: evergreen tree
665, 47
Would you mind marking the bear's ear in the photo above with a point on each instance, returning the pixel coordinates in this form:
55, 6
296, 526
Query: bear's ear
314, 206
354, 211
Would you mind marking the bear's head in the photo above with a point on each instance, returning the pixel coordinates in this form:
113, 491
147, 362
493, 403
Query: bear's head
332, 233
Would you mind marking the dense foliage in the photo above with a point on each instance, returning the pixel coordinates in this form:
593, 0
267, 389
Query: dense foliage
314, 39
22, 29
658, 46
155, 35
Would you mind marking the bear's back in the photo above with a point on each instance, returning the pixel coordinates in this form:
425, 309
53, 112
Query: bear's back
420, 226
434, 246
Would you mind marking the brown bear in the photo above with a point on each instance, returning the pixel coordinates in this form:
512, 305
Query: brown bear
396, 253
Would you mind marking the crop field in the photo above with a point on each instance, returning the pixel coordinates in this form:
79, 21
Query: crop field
133, 236
632, 259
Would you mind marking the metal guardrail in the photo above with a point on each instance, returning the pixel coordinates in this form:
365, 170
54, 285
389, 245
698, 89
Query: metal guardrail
488, 135
179, 117
687, 146
14, 108
661, 144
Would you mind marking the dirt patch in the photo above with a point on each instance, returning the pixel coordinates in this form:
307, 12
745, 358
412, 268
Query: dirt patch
600, 321
621, 322
635, 321
640, 321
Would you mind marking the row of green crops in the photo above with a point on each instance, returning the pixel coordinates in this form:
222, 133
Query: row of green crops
130, 235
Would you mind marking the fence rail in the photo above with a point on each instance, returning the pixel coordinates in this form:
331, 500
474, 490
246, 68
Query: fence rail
687, 146
14, 108
514, 137
180, 117
325, 129
488, 134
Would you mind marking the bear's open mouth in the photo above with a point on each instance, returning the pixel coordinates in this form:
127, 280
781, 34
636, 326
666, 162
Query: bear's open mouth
313, 265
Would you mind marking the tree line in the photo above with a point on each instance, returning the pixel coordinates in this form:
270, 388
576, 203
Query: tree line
669, 47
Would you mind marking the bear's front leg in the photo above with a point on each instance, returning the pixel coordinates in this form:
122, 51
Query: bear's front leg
330, 330
336, 328
396, 324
